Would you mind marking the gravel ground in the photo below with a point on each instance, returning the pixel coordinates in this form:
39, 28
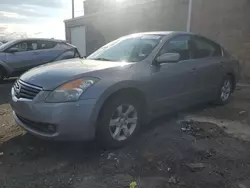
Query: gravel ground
206, 146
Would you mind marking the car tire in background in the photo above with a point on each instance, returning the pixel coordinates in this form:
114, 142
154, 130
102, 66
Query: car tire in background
1, 74
225, 91
119, 121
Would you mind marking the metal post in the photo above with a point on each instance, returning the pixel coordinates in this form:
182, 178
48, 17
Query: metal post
73, 8
190, 7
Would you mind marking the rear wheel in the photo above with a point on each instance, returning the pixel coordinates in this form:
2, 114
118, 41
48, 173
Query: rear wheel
119, 122
226, 90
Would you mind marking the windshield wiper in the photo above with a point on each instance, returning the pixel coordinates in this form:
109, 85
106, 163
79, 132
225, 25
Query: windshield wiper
102, 59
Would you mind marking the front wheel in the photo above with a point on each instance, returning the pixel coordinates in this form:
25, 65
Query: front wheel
119, 122
1, 75
225, 91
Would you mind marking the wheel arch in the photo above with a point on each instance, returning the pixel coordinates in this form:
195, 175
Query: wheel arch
233, 77
135, 92
7, 70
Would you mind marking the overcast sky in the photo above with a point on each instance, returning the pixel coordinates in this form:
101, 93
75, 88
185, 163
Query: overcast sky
35, 18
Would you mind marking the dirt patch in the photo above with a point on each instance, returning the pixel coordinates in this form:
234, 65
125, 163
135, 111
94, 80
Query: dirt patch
201, 130
215, 126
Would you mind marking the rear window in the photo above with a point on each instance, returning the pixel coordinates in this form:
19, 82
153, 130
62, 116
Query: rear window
46, 44
205, 48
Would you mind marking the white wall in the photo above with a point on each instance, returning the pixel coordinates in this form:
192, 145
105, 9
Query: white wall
78, 38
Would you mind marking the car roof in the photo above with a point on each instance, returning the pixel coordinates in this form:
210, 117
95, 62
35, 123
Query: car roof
172, 34
164, 33
41, 39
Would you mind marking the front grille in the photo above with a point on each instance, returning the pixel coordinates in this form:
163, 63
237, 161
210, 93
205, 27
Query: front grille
38, 126
25, 90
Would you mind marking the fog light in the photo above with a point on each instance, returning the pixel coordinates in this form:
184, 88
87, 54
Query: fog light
52, 128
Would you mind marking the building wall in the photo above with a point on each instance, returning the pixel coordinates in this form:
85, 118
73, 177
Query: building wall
94, 6
146, 16
225, 21
228, 22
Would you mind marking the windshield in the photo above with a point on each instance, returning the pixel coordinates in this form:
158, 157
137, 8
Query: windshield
132, 49
7, 44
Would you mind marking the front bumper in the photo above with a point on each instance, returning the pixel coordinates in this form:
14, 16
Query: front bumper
72, 120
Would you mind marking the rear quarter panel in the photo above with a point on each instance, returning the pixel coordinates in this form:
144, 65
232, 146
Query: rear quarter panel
232, 66
66, 55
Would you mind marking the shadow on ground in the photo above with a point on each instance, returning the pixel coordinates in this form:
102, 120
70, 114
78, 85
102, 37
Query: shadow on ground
25, 147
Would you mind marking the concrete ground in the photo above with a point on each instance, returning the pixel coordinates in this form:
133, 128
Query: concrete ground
202, 147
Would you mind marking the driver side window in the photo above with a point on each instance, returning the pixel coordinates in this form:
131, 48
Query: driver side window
20, 47
24, 46
178, 45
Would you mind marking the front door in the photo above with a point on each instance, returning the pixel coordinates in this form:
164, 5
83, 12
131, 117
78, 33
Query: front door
173, 84
24, 58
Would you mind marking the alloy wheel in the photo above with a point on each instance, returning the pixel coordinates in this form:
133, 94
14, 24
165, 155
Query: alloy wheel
226, 90
123, 122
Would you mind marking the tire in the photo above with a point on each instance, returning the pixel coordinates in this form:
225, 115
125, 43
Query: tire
225, 91
105, 133
1, 75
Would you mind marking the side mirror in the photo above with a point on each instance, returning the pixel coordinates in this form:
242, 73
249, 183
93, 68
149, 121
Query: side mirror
168, 58
12, 50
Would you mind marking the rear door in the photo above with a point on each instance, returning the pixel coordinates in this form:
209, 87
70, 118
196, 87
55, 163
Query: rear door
48, 51
209, 64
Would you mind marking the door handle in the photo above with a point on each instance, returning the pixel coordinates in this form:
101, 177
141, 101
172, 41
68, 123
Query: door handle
194, 69
35, 53
222, 64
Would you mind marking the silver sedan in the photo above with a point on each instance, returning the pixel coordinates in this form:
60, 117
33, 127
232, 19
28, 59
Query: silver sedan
123, 85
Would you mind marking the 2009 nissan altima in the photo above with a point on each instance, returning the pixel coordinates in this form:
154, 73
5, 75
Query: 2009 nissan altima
122, 86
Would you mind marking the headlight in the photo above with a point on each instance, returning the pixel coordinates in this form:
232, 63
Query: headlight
70, 91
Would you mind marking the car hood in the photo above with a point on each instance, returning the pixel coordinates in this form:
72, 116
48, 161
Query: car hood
52, 75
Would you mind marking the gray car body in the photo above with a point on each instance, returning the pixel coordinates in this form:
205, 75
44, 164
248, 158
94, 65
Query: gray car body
15, 63
163, 88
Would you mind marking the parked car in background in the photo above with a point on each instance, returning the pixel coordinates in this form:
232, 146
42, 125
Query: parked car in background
123, 85
21, 55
